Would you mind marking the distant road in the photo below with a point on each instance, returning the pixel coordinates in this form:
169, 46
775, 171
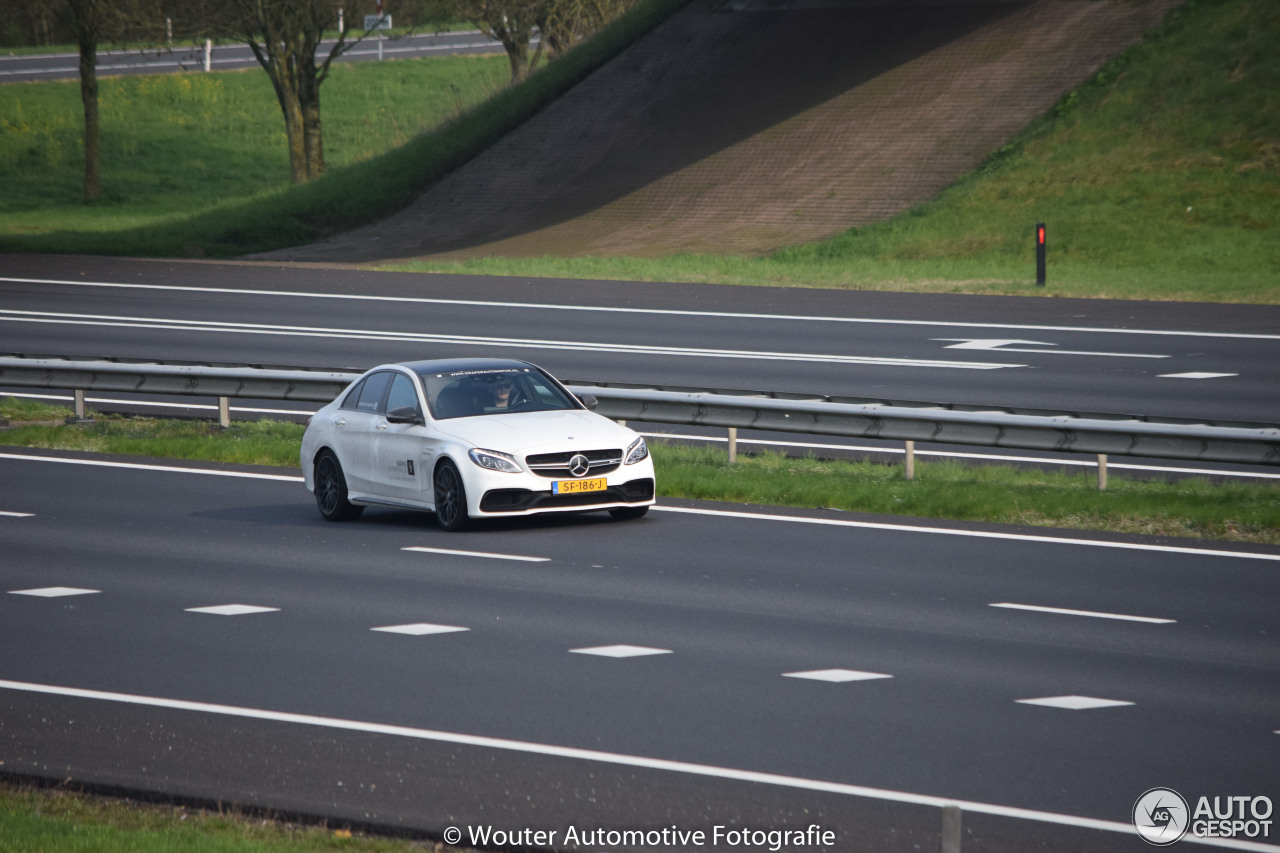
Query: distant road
62, 66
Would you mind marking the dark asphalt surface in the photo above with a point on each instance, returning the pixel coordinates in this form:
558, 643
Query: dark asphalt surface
649, 341
737, 603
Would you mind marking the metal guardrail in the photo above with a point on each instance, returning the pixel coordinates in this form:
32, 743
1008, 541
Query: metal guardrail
1026, 429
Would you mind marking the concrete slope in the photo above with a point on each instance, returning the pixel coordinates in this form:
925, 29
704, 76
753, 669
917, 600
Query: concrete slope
745, 127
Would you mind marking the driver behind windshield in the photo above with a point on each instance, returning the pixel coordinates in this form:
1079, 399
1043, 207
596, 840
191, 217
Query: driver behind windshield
498, 394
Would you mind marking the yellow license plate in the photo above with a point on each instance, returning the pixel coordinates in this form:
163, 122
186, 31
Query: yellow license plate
573, 487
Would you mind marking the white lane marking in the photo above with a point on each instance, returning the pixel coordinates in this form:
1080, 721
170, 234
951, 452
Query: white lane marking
1002, 345
451, 552
233, 609
836, 676
659, 311
1096, 615
833, 522
1075, 703
976, 534
7, 514
1196, 375
420, 629
621, 651
139, 466
54, 591
955, 454
617, 759
168, 324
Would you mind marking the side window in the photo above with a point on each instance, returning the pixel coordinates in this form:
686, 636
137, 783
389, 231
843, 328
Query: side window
368, 396
353, 396
402, 394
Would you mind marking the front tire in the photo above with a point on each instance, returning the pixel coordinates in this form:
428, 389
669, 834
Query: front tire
451, 498
331, 490
628, 513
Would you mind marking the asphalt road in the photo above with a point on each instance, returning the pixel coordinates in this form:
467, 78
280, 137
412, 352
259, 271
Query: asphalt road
1159, 359
490, 711
229, 57
791, 669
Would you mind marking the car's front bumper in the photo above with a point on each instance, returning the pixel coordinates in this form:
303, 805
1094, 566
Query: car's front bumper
638, 492
491, 493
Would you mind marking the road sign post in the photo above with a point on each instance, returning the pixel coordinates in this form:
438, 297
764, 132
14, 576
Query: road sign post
1040, 254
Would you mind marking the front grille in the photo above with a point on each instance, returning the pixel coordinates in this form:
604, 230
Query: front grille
519, 500
556, 465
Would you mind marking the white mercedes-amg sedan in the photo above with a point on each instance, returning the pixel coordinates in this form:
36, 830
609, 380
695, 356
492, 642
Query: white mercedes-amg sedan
469, 439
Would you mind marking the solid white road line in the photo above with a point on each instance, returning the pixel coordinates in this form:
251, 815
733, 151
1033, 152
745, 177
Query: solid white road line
616, 759
174, 324
139, 466
478, 554
751, 516
662, 311
946, 454
1094, 614
976, 534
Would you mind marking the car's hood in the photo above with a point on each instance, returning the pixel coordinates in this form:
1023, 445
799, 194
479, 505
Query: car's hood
538, 432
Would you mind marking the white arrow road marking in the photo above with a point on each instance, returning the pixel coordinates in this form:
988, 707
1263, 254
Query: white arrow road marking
1004, 345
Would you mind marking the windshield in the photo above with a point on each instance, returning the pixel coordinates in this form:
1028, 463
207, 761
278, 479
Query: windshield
466, 393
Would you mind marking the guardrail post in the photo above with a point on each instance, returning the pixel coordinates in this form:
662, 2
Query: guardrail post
911, 460
224, 412
733, 445
950, 841
1102, 472
79, 404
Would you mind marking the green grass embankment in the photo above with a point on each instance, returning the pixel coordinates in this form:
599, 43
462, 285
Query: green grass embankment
195, 165
1158, 179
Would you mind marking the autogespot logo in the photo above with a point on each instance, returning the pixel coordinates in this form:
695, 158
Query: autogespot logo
1161, 816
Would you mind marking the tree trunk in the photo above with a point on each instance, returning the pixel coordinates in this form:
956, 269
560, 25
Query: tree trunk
89, 96
86, 20
313, 134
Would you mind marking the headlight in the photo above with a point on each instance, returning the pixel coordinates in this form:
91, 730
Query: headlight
637, 451
494, 461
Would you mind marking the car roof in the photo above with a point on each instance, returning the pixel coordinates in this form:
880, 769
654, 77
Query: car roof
462, 365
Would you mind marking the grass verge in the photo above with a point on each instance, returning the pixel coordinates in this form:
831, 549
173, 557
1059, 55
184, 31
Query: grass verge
1159, 178
1191, 507
44, 820
209, 200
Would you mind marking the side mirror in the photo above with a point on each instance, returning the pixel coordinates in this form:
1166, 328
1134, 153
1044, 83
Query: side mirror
405, 415
590, 401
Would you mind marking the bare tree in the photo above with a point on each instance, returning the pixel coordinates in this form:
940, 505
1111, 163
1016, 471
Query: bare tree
560, 24
90, 22
564, 23
86, 18
285, 36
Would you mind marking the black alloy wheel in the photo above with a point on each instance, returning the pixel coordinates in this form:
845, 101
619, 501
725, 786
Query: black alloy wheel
331, 490
451, 498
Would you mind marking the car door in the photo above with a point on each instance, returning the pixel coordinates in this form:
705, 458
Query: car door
354, 428
397, 448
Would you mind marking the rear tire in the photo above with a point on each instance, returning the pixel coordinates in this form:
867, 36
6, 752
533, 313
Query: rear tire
450, 498
628, 513
331, 490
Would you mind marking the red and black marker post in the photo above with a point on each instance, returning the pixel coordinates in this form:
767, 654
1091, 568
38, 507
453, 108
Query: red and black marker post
1040, 254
